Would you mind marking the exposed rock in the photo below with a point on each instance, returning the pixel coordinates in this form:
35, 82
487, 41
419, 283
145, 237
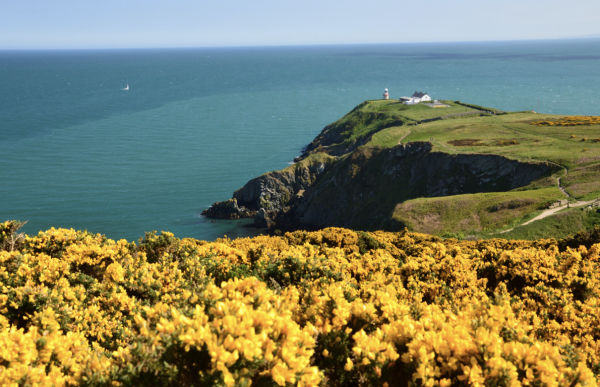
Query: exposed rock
262, 219
274, 192
228, 209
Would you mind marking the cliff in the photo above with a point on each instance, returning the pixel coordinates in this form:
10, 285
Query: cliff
363, 173
361, 190
273, 193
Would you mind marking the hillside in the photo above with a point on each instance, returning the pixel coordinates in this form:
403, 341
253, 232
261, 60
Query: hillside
462, 169
332, 308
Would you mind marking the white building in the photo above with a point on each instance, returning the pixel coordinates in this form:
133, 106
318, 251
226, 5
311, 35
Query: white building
417, 97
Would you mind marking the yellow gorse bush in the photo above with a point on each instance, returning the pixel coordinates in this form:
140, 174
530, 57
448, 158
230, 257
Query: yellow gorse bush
247, 324
46, 356
326, 308
570, 121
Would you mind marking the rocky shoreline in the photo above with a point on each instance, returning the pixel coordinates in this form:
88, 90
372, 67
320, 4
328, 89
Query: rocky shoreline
267, 197
228, 209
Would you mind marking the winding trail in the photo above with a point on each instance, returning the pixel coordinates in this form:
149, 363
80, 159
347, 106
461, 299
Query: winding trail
561, 187
552, 211
403, 137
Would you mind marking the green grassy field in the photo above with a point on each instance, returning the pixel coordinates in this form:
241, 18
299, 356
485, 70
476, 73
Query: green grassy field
358, 127
510, 135
414, 112
390, 137
583, 182
370, 118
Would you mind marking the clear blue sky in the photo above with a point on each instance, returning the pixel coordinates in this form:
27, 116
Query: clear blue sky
48, 24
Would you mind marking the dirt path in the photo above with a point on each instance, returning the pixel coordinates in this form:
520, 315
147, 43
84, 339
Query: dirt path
558, 180
403, 137
562, 189
547, 213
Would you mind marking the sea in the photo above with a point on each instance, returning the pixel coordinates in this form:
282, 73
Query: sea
78, 151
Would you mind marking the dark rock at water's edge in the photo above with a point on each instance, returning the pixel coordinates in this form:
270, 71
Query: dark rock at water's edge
228, 209
271, 194
263, 219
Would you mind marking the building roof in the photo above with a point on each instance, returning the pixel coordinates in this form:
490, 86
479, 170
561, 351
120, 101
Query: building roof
419, 94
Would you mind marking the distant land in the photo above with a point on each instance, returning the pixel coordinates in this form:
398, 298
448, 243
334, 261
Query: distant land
460, 170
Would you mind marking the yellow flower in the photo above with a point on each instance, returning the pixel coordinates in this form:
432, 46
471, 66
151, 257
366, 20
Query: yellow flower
349, 365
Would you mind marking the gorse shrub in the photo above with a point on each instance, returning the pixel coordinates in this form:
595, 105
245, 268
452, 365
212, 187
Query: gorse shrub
326, 308
570, 121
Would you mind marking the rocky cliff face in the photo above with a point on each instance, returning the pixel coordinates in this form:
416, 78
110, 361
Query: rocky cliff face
228, 209
273, 193
363, 189
360, 190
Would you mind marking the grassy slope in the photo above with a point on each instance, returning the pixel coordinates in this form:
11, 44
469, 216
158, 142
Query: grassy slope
414, 112
583, 182
495, 135
389, 137
361, 123
555, 144
533, 143
472, 212
372, 117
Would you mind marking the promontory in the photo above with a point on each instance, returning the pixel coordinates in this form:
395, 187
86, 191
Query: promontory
455, 169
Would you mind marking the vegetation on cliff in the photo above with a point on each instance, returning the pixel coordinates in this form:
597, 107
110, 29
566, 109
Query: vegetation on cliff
327, 308
369, 118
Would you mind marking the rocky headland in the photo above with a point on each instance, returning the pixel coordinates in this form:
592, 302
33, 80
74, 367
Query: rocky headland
387, 166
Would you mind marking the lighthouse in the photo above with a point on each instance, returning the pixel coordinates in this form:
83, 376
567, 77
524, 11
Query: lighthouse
386, 95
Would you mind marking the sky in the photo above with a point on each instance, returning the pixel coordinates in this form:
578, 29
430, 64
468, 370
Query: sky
89, 24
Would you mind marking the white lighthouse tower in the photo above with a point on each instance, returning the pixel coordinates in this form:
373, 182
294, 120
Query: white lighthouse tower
386, 95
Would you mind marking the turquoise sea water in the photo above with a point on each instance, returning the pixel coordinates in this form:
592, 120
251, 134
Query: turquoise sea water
78, 151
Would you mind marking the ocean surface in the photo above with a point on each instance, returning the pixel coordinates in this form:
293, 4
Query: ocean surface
78, 151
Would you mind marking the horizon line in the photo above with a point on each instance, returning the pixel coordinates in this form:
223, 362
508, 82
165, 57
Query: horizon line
586, 37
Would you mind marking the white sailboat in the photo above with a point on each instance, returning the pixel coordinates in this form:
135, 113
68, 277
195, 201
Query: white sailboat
127, 88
